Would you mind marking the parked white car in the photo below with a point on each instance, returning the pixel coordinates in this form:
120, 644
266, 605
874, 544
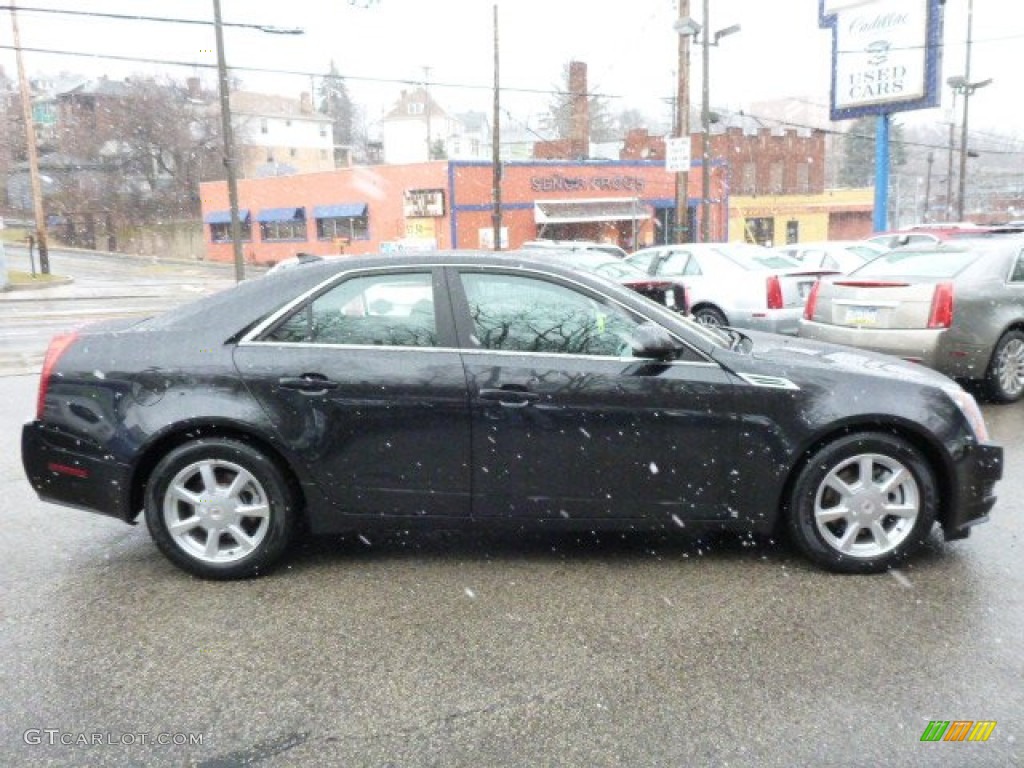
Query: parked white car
735, 284
838, 255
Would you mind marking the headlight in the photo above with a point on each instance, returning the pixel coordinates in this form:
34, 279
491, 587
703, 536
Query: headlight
969, 406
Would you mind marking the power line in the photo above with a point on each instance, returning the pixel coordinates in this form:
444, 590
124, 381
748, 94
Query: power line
298, 73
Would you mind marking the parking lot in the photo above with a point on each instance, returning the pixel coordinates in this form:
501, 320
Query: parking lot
473, 649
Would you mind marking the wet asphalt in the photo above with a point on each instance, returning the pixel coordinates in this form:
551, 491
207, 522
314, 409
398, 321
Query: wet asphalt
479, 649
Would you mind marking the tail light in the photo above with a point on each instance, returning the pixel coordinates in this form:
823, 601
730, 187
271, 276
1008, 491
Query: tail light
58, 346
941, 315
812, 301
774, 293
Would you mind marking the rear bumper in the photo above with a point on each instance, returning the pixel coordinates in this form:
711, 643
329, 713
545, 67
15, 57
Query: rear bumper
68, 470
977, 472
935, 348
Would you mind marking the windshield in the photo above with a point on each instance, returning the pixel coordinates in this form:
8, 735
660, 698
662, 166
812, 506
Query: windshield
601, 264
930, 263
756, 259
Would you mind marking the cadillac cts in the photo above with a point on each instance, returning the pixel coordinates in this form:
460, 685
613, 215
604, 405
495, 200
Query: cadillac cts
458, 388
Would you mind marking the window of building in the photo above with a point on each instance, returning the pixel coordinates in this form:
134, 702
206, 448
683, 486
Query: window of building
264, 127
803, 178
416, 108
293, 152
748, 185
282, 224
775, 178
323, 129
221, 232
792, 232
352, 227
759, 230
220, 225
379, 310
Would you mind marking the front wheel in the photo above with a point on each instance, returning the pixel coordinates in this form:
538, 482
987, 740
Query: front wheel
219, 509
1005, 376
863, 503
709, 316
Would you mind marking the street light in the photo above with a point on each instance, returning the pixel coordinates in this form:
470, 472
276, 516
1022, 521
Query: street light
705, 123
223, 88
962, 86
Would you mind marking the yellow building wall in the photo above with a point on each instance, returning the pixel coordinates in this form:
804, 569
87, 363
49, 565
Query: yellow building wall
812, 213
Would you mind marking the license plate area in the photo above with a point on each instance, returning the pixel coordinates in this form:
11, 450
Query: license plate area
861, 316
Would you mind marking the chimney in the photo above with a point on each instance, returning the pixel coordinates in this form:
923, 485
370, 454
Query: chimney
579, 137
305, 103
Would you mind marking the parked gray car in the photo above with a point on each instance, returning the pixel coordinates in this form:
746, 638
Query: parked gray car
734, 284
957, 307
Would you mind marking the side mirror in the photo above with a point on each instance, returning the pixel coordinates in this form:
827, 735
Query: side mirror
650, 340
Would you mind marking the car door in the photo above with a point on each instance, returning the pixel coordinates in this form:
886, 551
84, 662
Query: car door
362, 381
566, 423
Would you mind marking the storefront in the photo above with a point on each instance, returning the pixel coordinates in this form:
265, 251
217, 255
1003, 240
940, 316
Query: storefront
449, 205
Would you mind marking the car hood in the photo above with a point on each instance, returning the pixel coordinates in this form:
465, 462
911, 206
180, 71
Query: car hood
787, 352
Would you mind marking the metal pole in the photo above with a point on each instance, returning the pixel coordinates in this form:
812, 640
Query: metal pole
963, 126
229, 145
882, 173
683, 127
928, 189
949, 159
705, 127
33, 155
496, 141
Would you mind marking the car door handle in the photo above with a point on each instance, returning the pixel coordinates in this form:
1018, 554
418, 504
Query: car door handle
312, 383
510, 396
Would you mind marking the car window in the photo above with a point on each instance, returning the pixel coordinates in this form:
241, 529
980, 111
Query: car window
643, 259
678, 263
1017, 276
379, 310
930, 263
526, 314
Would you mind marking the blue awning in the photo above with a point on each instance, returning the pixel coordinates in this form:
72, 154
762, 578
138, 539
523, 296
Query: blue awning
340, 211
280, 214
224, 217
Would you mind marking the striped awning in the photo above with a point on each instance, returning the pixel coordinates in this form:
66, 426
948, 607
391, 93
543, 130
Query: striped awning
340, 211
600, 209
268, 215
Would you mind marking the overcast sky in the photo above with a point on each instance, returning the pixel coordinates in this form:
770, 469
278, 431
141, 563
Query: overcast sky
630, 49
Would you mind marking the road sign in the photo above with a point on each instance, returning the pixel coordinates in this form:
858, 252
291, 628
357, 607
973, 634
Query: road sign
677, 154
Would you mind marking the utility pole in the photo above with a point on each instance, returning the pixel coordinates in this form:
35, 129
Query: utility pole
496, 142
682, 234
427, 109
229, 145
33, 155
968, 90
705, 131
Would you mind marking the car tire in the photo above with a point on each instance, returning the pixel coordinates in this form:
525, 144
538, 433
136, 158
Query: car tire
710, 316
1004, 380
220, 509
849, 522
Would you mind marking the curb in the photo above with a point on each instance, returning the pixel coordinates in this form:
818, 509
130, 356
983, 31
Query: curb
53, 282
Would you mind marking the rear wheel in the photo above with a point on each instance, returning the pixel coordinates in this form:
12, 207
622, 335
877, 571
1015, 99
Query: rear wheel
863, 503
220, 509
709, 316
1005, 377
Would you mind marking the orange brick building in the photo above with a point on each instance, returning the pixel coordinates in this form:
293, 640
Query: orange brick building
448, 204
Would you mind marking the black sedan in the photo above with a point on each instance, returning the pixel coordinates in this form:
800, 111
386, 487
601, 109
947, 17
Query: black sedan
458, 388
